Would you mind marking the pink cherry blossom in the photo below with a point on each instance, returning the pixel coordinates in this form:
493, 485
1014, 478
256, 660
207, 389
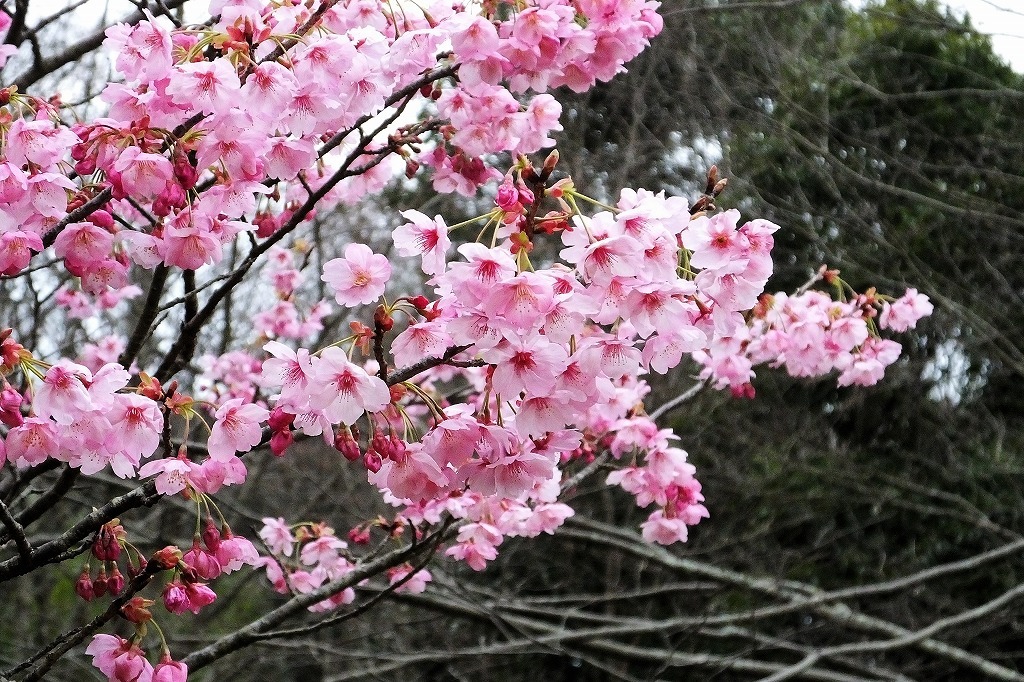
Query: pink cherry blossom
358, 278
423, 236
237, 428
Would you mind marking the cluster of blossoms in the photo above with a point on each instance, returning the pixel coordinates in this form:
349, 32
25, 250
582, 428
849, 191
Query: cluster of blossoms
306, 556
213, 553
238, 132
810, 335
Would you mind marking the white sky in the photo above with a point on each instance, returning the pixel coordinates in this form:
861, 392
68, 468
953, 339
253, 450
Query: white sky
1001, 19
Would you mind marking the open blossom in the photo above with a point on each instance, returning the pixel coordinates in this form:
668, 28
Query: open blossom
359, 277
62, 393
903, 313
173, 474
237, 428
278, 536
119, 659
423, 236
138, 423
345, 390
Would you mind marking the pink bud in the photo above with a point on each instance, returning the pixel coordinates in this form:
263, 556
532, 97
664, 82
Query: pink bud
83, 586
347, 446
211, 536
279, 419
99, 584
372, 461
175, 598
199, 595
101, 218
115, 583
168, 557
281, 441
359, 536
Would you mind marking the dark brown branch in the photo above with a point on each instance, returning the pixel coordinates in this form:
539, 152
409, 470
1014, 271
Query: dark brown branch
252, 632
60, 646
144, 322
15, 530
76, 51
69, 543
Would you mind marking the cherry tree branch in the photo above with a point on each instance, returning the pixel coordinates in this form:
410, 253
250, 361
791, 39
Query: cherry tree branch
253, 632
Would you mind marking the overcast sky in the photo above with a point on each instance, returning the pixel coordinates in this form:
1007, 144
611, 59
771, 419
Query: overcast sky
1001, 19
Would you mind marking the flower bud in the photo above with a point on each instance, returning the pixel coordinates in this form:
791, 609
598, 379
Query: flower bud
279, 419
167, 558
382, 318
107, 545
101, 218
115, 583
135, 571
211, 535
137, 610
83, 586
359, 536
99, 584
550, 162
281, 441
372, 461
175, 598
347, 446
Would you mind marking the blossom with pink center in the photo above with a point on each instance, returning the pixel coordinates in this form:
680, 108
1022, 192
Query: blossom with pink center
417, 584
206, 87
62, 394
420, 341
527, 364
903, 313
80, 243
715, 241
190, 247
345, 391
868, 366
172, 474
16, 249
476, 545
119, 659
324, 548
540, 414
142, 175
523, 300
662, 529
144, 50
423, 236
417, 477
137, 422
510, 475
32, 442
278, 536
291, 370
237, 428
359, 278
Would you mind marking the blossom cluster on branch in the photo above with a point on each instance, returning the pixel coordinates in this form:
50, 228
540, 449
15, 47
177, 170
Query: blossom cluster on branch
470, 403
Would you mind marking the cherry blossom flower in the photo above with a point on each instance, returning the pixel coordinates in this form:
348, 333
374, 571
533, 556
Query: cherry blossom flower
358, 278
237, 428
